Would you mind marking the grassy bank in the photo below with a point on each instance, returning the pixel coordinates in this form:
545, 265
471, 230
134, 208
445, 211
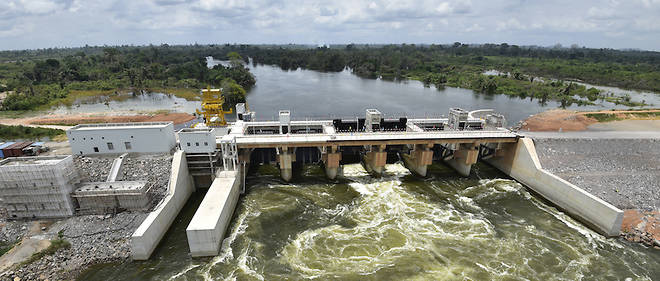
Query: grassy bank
55, 245
8, 132
6, 247
651, 114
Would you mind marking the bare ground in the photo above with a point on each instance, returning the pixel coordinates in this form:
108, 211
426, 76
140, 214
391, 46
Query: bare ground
566, 120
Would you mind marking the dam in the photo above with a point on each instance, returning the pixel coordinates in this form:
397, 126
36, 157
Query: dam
221, 157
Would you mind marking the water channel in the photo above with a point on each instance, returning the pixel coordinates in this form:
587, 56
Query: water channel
397, 227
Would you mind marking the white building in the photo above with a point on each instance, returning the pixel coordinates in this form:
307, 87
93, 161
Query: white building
149, 137
197, 140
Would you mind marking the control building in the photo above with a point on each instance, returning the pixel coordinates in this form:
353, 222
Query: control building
147, 137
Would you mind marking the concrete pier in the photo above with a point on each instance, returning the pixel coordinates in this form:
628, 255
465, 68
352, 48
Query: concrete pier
285, 158
375, 160
331, 157
419, 158
519, 160
207, 227
464, 156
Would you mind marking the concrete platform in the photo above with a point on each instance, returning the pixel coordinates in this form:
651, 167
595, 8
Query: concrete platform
207, 227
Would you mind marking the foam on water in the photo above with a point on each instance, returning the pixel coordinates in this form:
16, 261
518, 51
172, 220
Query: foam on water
401, 227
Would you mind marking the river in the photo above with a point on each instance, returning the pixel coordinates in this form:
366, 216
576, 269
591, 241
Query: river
312, 94
397, 227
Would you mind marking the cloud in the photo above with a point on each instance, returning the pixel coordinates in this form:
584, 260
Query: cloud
46, 23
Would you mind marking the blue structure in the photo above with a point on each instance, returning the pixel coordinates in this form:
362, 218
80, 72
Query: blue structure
2, 155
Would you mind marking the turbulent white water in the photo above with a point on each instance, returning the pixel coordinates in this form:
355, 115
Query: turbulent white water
402, 227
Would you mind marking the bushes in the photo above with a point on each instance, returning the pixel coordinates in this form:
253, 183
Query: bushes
22, 132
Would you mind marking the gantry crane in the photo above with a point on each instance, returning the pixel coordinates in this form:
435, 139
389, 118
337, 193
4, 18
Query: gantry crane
212, 102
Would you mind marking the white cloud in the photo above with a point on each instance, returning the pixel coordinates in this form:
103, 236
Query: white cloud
40, 6
80, 22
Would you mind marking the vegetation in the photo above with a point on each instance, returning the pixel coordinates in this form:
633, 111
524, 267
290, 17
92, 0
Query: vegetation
55, 245
607, 117
47, 77
6, 246
21, 132
43, 78
461, 65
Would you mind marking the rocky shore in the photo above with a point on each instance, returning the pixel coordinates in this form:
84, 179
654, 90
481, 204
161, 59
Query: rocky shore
623, 172
94, 239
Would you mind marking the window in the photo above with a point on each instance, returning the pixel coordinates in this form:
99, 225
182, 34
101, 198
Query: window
96, 149
128, 145
111, 146
206, 144
188, 144
91, 138
196, 144
102, 138
131, 136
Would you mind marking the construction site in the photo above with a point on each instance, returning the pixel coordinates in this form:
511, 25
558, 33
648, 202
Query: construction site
151, 170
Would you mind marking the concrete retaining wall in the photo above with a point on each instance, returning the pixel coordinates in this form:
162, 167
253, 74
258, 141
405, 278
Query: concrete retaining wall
207, 228
151, 231
519, 160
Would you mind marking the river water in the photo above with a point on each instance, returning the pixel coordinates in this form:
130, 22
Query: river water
397, 227
313, 94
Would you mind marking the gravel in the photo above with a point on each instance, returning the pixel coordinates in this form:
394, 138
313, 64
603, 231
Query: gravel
94, 239
11, 231
623, 172
155, 168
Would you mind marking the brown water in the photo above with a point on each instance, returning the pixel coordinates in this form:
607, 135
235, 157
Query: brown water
445, 227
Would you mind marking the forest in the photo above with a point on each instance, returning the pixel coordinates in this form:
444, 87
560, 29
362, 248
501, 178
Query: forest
534, 72
37, 79
43, 78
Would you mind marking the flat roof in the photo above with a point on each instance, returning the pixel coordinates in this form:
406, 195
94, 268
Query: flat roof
111, 186
196, 130
121, 126
37, 160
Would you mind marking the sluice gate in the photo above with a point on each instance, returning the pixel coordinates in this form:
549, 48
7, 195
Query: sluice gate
458, 141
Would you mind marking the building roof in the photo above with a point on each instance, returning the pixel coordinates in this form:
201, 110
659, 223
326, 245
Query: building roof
19, 145
38, 160
4, 145
120, 126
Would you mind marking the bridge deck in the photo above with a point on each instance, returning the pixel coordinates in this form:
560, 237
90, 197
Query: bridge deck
380, 138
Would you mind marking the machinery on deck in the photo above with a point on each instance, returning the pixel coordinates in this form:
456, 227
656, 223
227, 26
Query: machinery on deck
212, 108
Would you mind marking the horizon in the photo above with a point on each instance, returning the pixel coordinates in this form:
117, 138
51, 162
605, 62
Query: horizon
43, 24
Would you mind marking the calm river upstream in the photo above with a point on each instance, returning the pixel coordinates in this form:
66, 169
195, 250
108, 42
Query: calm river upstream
313, 94
397, 227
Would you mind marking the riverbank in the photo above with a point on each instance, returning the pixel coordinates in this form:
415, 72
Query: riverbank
623, 172
568, 120
65, 121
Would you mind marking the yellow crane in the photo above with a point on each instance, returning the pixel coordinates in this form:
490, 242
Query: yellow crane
212, 102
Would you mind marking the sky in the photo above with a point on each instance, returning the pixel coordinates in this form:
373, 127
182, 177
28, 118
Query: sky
31, 24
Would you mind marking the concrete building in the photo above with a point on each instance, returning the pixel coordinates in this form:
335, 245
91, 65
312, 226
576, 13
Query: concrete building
201, 152
149, 137
107, 197
197, 140
38, 187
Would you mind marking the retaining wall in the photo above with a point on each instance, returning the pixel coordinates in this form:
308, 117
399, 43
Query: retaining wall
207, 228
519, 160
153, 228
